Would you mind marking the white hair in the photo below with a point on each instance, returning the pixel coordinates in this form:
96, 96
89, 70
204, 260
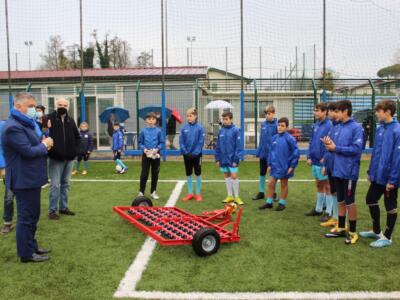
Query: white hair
21, 97
61, 99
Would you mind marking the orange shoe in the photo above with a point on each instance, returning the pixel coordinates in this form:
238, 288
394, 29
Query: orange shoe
198, 197
187, 197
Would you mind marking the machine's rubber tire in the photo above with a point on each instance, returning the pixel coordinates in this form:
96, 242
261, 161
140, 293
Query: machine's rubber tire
142, 201
206, 241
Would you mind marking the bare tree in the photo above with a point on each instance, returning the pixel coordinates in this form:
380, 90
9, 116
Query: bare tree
51, 57
144, 60
120, 52
73, 55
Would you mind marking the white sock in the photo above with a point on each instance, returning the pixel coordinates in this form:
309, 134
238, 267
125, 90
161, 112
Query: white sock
235, 186
228, 183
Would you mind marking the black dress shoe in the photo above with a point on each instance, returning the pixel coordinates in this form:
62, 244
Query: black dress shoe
259, 196
67, 212
34, 258
266, 205
41, 251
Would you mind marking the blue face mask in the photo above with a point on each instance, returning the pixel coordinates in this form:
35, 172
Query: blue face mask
31, 114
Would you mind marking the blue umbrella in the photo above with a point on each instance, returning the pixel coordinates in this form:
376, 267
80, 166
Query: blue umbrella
120, 114
145, 110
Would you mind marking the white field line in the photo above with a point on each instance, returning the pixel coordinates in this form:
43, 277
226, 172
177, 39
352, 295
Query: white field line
178, 180
135, 271
260, 296
127, 286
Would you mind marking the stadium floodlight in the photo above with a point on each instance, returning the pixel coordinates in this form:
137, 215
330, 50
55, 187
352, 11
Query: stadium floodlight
29, 44
191, 39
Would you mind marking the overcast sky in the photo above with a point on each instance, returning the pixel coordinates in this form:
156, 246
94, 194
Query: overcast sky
362, 35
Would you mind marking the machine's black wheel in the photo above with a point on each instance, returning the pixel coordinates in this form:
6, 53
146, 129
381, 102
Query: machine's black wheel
142, 201
206, 241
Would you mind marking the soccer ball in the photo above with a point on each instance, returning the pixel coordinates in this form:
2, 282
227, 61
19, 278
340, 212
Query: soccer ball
118, 168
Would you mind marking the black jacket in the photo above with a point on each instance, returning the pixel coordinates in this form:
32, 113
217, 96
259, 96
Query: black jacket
66, 137
86, 143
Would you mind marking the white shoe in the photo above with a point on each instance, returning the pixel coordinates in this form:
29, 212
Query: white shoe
155, 196
140, 194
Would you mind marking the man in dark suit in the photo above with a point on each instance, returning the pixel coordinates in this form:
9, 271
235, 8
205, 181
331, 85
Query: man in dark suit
25, 153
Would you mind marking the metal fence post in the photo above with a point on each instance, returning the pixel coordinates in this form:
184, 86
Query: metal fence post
137, 113
196, 95
255, 114
373, 125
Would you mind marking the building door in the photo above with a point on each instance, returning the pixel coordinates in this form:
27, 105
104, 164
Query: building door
104, 130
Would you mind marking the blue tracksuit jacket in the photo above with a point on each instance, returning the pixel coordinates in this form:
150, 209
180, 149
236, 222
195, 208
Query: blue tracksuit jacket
384, 167
191, 139
118, 140
268, 130
329, 156
316, 149
284, 154
347, 156
2, 160
229, 148
151, 138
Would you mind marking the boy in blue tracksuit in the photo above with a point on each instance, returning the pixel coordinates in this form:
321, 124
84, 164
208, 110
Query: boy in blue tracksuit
268, 129
191, 142
328, 162
347, 151
316, 152
384, 174
282, 160
228, 152
151, 141
117, 147
8, 212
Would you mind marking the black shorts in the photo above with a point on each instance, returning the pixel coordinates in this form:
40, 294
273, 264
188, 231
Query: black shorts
331, 182
346, 190
84, 157
192, 163
117, 155
376, 191
263, 167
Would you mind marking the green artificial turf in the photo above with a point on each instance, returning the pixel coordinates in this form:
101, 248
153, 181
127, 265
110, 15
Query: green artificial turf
279, 251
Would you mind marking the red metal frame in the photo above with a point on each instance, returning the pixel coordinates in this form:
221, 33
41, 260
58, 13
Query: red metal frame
171, 226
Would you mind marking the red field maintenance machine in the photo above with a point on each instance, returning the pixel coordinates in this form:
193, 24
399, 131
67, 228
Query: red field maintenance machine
172, 226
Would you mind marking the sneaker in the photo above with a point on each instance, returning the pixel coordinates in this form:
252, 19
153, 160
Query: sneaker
122, 171
187, 197
324, 217
259, 196
54, 216
238, 201
351, 238
266, 205
67, 212
313, 213
228, 199
154, 195
332, 222
74, 172
381, 242
6, 228
370, 235
84, 172
140, 194
280, 207
198, 197
336, 232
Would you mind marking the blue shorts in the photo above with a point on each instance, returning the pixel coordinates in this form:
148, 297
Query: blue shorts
229, 169
317, 173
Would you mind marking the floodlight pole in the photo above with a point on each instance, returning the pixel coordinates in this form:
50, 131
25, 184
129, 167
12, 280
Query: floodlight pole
163, 110
242, 125
324, 41
10, 97
82, 94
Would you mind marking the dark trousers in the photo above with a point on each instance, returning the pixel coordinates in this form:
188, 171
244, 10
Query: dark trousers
376, 191
155, 169
263, 167
28, 213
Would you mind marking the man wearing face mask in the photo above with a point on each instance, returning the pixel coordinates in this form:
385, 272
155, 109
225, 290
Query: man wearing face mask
25, 154
63, 130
